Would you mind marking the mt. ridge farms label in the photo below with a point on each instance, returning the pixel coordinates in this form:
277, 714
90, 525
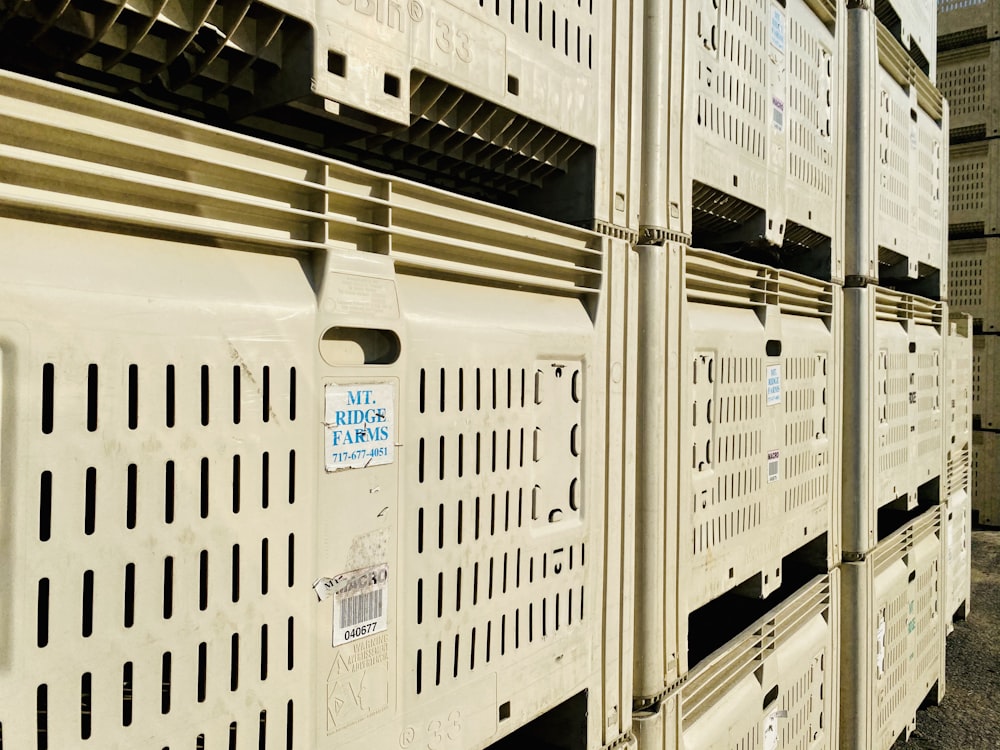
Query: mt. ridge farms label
359, 424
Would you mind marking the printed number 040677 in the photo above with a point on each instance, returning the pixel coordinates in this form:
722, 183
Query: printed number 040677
352, 633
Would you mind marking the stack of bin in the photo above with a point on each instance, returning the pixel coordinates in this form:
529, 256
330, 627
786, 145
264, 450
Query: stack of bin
737, 582
896, 323
968, 64
522, 373
299, 454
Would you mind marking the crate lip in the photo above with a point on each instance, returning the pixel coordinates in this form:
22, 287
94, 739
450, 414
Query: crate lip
718, 279
904, 70
34, 90
484, 240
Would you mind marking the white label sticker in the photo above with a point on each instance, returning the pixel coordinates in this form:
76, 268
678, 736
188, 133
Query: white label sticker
360, 600
778, 30
773, 385
359, 425
771, 735
773, 470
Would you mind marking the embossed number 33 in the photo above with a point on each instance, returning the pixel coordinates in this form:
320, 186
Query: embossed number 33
438, 731
451, 40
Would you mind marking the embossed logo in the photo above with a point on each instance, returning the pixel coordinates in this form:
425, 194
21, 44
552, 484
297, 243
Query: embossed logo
388, 13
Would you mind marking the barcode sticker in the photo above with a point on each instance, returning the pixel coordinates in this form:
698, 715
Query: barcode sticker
773, 470
360, 600
779, 114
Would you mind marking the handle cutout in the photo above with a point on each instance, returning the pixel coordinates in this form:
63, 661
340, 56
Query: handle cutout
345, 347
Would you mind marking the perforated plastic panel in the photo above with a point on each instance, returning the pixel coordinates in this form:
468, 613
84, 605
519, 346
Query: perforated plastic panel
774, 685
958, 539
159, 492
765, 102
761, 381
892, 614
967, 78
489, 99
930, 242
985, 389
219, 538
972, 196
911, 161
965, 22
927, 386
973, 272
985, 475
894, 420
896, 134
958, 381
892, 404
816, 44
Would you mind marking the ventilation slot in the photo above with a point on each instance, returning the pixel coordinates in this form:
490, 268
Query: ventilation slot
48, 389
165, 669
126, 695
42, 716
45, 507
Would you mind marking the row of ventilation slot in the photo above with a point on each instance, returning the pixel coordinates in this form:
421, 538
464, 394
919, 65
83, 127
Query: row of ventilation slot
515, 393
508, 456
556, 569
170, 396
132, 505
87, 708
479, 522
129, 593
549, 620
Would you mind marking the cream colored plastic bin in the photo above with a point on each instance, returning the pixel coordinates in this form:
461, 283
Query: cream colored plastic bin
509, 101
745, 432
296, 454
985, 389
985, 477
764, 125
760, 463
974, 273
893, 406
897, 156
966, 77
773, 686
892, 618
972, 192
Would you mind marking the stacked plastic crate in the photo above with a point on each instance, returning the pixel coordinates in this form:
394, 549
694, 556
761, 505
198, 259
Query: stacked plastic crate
894, 472
737, 588
322, 457
958, 465
969, 63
